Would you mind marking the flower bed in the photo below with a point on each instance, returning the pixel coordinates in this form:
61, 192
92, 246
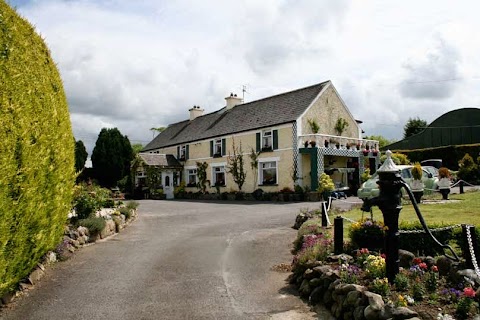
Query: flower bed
354, 285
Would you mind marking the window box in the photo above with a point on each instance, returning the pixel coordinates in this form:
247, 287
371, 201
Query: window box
267, 149
191, 185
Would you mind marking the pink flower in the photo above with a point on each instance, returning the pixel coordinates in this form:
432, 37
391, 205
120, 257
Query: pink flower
423, 265
364, 251
383, 255
434, 268
469, 292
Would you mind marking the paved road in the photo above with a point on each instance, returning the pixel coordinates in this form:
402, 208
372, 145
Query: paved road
179, 260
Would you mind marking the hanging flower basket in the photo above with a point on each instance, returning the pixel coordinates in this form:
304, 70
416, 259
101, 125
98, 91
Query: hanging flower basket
365, 152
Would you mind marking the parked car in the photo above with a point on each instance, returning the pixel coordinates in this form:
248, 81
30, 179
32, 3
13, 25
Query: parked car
369, 188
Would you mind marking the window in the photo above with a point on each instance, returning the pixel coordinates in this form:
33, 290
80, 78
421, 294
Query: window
268, 172
191, 177
217, 147
140, 174
267, 140
183, 152
219, 176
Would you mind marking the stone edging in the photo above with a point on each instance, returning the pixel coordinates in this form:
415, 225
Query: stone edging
73, 239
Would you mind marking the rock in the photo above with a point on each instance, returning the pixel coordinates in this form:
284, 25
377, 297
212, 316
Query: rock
323, 269
304, 288
444, 266
370, 314
108, 230
35, 276
334, 284
386, 313
375, 301
327, 298
50, 257
430, 261
308, 274
346, 288
342, 258
352, 298
71, 248
8, 297
82, 231
470, 275
358, 313
81, 240
402, 313
315, 282
406, 258
24, 286
301, 218
39, 265
316, 295
76, 244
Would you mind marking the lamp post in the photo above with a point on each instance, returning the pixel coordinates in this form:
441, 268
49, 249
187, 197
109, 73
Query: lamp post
389, 202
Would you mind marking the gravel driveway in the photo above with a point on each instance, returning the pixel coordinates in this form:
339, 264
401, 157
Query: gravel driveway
179, 260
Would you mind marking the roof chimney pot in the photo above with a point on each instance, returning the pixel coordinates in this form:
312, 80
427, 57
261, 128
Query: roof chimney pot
233, 101
195, 112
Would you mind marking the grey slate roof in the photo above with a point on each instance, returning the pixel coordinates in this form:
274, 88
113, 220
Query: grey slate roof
159, 160
271, 111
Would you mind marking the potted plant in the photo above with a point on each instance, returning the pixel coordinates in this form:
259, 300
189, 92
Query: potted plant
365, 152
444, 182
326, 143
313, 143
374, 152
305, 144
341, 125
417, 184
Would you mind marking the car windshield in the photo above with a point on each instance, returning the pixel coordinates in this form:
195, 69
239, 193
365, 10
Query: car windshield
431, 170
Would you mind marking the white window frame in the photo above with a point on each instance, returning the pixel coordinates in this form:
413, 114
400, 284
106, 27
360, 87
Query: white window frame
190, 173
183, 151
223, 167
217, 145
267, 135
276, 160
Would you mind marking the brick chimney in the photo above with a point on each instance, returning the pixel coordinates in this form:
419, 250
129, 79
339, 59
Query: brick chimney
196, 111
232, 101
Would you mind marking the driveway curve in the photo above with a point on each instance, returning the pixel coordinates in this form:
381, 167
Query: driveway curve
179, 260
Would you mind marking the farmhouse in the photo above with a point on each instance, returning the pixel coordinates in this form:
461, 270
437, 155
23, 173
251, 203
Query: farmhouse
295, 137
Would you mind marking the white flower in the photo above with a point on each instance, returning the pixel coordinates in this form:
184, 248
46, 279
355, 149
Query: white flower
409, 299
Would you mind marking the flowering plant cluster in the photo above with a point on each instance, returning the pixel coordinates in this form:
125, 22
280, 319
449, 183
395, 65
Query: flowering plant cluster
367, 233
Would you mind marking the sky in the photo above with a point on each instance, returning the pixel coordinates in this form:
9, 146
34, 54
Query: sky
140, 64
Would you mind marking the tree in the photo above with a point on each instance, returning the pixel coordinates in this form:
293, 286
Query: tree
111, 157
236, 166
254, 165
137, 147
413, 126
80, 155
158, 130
382, 141
36, 150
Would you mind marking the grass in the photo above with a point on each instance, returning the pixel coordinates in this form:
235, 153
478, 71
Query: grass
466, 210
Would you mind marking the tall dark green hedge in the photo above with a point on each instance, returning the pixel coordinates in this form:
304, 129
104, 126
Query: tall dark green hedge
36, 150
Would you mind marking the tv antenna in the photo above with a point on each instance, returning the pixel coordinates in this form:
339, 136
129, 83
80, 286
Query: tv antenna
244, 90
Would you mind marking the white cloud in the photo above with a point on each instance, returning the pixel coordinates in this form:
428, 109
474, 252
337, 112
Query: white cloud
141, 64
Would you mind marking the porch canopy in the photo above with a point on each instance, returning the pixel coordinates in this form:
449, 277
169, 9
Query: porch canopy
160, 160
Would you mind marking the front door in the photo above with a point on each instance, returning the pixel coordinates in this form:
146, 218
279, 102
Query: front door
167, 178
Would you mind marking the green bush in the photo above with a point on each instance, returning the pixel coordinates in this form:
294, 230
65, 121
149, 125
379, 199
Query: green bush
94, 225
132, 205
36, 150
421, 243
126, 212
90, 198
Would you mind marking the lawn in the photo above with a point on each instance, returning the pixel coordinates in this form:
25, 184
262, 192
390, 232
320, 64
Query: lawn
466, 210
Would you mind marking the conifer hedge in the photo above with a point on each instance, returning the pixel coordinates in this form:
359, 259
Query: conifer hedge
36, 150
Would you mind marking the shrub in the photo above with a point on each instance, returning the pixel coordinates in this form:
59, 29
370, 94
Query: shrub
375, 267
310, 227
314, 247
367, 233
325, 184
90, 198
421, 243
443, 172
132, 205
417, 171
380, 286
401, 282
94, 225
126, 212
468, 170
36, 150
286, 190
